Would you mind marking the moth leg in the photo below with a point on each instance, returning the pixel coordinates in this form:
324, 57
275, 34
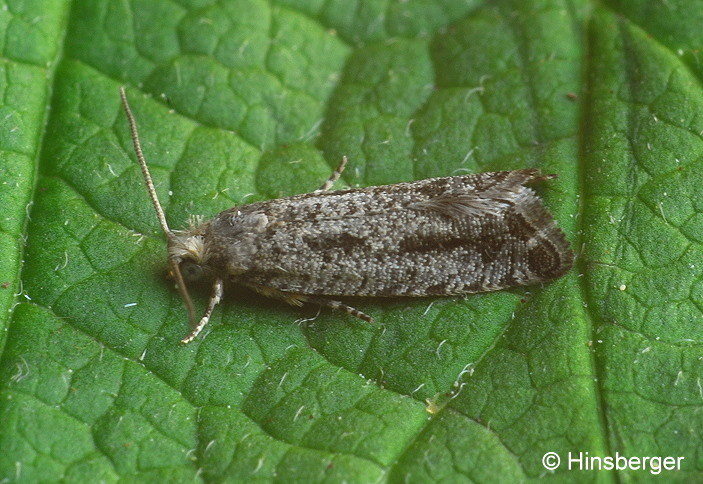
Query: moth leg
334, 176
540, 177
339, 306
217, 290
289, 297
299, 299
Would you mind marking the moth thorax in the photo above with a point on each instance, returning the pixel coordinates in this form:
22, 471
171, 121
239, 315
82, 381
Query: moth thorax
187, 246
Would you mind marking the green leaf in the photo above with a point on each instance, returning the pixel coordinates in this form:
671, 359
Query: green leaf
242, 100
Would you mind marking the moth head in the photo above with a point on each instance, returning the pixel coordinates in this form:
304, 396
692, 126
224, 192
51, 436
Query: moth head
182, 248
187, 250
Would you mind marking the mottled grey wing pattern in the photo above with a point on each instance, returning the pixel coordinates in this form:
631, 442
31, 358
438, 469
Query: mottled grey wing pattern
451, 235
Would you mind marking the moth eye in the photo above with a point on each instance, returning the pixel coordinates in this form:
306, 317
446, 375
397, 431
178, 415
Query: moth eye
191, 271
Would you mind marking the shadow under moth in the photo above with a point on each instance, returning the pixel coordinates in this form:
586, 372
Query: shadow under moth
440, 236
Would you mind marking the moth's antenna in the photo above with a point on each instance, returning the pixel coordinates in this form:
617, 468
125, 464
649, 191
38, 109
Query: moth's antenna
175, 268
183, 290
142, 163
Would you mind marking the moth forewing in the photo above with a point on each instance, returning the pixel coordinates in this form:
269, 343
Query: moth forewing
440, 236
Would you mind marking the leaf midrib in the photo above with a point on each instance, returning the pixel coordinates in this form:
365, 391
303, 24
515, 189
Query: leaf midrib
37, 157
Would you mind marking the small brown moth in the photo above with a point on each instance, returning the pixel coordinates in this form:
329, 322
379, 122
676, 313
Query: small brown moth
440, 236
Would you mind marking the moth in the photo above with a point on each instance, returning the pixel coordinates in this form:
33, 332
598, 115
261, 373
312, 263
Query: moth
440, 236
